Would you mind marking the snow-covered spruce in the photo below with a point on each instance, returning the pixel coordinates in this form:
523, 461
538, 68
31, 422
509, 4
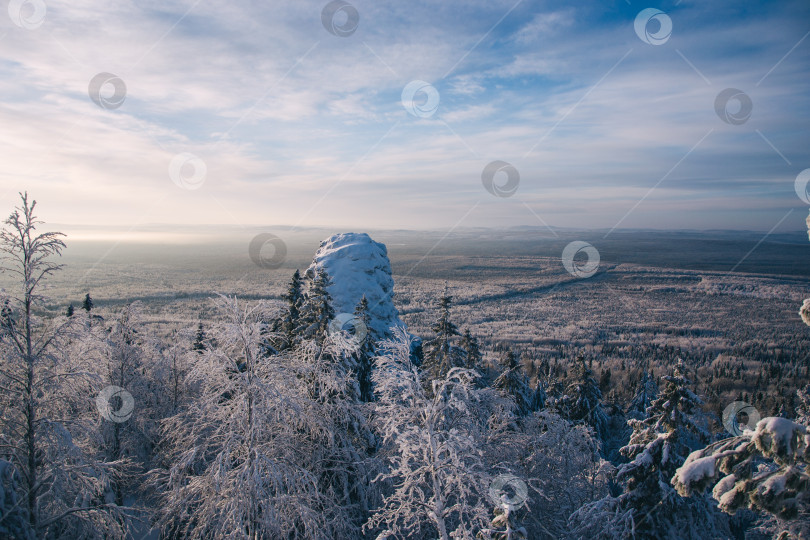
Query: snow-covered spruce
764, 470
513, 382
441, 355
582, 401
646, 393
649, 506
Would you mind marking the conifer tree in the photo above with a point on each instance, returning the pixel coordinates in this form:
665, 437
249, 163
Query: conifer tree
199, 346
646, 393
440, 354
316, 311
294, 298
539, 397
70, 311
765, 470
473, 352
583, 400
649, 507
658, 445
364, 353
514, 383
88, 304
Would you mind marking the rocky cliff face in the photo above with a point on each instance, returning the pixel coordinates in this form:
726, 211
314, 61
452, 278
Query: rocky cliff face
359, 266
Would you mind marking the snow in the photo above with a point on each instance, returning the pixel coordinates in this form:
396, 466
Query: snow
777, 435
359, 266
694, 471
774, 485
805, 310
724, 486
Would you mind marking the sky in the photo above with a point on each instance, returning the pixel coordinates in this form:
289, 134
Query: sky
389, 115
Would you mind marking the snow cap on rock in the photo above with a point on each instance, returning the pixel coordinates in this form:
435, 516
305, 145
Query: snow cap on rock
359, 266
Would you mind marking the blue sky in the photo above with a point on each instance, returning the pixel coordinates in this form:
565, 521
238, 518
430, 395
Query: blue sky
297, 126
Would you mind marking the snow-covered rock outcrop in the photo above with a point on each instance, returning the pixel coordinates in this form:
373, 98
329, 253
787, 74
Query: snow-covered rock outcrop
359, 266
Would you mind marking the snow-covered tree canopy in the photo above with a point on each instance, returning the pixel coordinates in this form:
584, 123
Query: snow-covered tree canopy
765, 469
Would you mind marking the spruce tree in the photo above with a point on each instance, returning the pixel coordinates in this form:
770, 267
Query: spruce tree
539, 396
658, 446
70, 310
316, 310
473, 352
364, 353
513, 383
88, 304
294, 298
648, 506
646, 393
440, 354
200, 340
583, 400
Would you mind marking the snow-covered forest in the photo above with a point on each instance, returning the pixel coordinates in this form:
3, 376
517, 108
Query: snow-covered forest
320, 415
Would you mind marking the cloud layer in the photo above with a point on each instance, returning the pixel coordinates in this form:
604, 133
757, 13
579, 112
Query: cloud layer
296, 125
